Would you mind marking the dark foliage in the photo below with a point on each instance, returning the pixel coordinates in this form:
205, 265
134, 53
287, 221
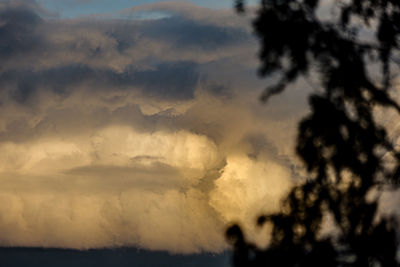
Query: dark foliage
348, 155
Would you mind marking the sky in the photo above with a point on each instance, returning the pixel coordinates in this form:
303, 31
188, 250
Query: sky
138, 124
74, 8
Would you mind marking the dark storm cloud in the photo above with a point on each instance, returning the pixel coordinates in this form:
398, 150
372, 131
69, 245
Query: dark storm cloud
18, 30
38, 56
182, 32
168, 80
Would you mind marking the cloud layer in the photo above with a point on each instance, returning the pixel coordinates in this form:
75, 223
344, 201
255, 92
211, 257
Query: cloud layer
142, 133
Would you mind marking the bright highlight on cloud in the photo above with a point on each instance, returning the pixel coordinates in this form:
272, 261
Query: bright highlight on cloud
143, 133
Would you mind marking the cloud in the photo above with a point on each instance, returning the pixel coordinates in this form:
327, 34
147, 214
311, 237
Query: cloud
118, 188
226, 18
142, 133
183, 32
177, 80
17, 30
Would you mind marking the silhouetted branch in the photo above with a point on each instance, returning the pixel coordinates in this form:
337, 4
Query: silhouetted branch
339, 143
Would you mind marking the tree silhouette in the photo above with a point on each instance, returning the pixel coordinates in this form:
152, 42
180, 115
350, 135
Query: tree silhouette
348, 155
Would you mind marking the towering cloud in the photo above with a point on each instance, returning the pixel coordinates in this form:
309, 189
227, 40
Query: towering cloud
142, 133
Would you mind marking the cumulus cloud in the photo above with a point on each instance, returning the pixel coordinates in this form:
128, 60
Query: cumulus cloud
142, 133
